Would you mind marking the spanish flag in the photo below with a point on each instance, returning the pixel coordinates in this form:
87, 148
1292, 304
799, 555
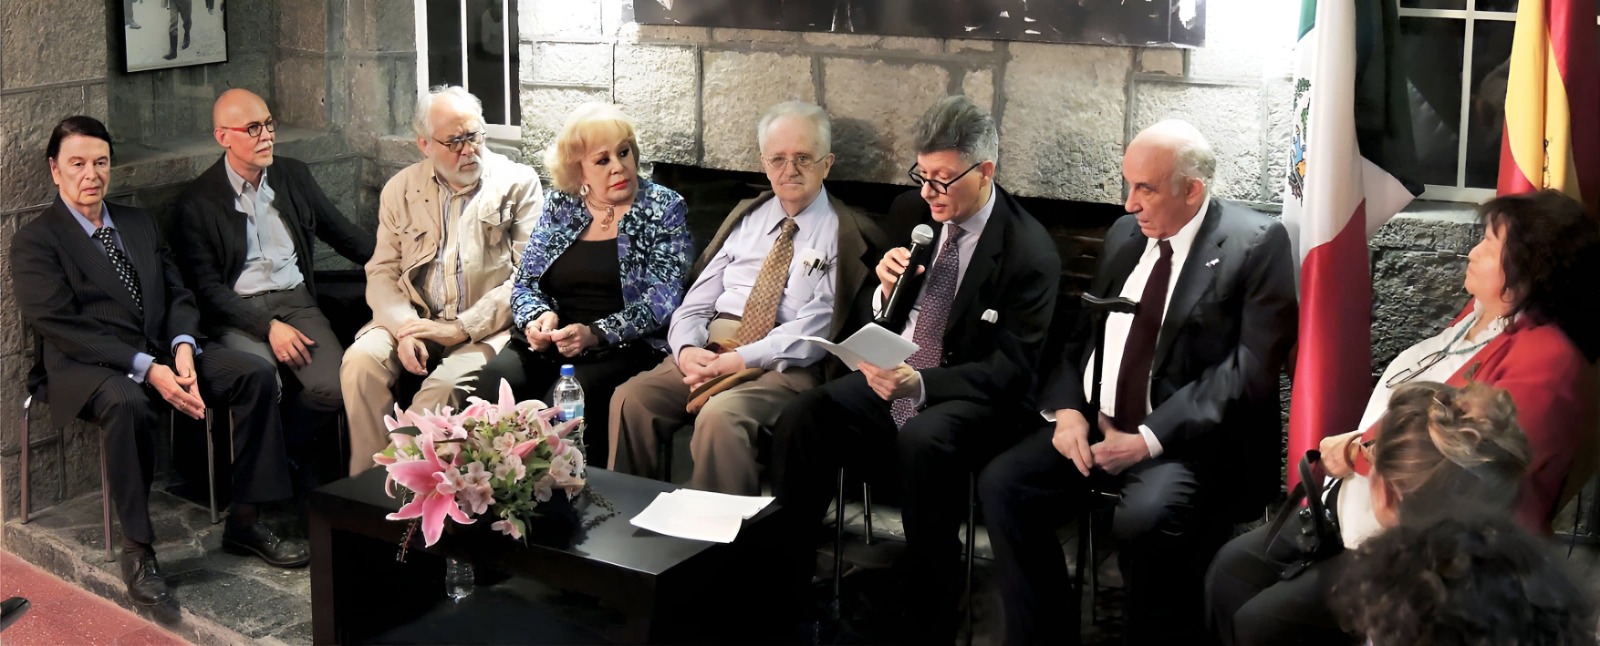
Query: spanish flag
1552, 135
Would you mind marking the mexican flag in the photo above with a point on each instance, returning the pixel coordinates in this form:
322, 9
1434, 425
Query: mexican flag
1352, 142
1552, 135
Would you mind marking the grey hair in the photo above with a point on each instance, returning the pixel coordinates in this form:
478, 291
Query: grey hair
1192, 157
800, 110
956, 123
419, 118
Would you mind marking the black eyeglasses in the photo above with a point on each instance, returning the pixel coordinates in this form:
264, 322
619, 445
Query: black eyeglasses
454, 144
254, 129
942, 188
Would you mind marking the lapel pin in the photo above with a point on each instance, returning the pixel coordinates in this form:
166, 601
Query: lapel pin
990, 316
1213, 262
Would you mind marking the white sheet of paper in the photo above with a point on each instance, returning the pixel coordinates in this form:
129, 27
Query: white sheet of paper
871, 344
688, 517
745, 506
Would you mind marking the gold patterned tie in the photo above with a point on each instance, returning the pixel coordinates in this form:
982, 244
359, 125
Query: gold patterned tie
761, 309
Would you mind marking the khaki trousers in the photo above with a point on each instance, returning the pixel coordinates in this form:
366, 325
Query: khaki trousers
368, 374
650, 407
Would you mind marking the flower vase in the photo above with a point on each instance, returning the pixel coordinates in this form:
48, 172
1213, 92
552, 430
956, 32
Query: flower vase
459, 578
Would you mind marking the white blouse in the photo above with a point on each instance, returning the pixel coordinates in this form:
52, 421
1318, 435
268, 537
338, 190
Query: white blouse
1433, 359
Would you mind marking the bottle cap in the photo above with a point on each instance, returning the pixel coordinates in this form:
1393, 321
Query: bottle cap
566, 370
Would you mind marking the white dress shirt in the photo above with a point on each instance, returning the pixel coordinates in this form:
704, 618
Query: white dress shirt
270, 261
1433, 359
806, 307
972, 230
1117, 325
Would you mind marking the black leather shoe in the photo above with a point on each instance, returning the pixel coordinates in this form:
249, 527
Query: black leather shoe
260, 541
140, 571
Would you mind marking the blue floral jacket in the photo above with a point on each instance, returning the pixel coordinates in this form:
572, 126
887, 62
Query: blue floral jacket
653, 246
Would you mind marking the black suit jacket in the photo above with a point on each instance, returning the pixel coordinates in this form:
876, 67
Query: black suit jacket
210, 238
1230, 322
1014, 271
86, 323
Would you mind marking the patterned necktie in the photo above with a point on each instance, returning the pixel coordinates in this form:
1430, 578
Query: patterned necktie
1133, 378
761, 308
937, 297
119, 262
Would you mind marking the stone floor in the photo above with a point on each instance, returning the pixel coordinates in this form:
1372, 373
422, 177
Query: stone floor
222, 598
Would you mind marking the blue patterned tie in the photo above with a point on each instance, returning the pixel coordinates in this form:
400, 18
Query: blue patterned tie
119, 262
932, 316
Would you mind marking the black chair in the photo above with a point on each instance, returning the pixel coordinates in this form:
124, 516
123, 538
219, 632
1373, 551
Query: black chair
866, 515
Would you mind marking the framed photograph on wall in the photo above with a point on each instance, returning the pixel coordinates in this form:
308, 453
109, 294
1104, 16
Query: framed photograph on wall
161, 34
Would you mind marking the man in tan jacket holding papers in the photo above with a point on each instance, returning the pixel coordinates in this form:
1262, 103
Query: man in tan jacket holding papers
791, 262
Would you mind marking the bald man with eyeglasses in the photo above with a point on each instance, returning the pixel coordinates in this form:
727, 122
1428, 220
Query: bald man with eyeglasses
246, 230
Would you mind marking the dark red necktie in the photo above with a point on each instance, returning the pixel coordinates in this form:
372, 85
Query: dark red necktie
1133, 378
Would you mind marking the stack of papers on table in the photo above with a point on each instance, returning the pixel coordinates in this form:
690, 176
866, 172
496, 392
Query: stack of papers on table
699, 515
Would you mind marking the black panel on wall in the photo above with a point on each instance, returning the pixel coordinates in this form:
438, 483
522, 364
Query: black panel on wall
1104, 22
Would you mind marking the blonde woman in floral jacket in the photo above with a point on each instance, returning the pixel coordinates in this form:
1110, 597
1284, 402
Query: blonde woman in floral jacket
602, 273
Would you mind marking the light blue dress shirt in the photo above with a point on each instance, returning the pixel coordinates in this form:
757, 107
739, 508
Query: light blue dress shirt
807, 305
141, 361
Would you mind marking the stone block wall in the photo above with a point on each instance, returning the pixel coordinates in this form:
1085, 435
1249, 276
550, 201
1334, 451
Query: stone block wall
339, 76
1065, 111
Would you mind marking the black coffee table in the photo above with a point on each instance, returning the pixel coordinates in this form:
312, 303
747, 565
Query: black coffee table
666, 589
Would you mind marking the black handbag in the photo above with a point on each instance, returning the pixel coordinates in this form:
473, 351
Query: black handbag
1302, 536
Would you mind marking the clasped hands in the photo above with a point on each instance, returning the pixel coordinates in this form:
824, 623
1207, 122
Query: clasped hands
1114, 454
700, 365
411, 338
570, 341
177, 384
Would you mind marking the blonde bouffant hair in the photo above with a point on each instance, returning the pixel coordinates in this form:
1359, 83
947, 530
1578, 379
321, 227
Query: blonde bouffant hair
592, 123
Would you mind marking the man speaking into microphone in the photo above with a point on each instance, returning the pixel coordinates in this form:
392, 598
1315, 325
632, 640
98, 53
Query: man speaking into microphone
979, 322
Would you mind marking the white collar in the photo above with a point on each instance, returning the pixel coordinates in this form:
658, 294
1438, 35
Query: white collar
1184, 238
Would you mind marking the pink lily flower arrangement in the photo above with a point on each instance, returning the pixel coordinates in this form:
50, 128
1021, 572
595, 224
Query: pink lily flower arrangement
493, 459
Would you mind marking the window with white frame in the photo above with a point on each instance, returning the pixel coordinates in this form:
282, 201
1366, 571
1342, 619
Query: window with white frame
473, 43
1457, 101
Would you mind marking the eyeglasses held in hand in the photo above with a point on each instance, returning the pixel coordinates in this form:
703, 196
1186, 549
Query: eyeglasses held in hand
942, 188
254, 129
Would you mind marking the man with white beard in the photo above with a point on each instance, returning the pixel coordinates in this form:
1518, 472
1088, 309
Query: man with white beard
451, 229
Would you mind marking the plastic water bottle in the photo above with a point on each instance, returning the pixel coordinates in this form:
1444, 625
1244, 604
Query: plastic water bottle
459, 579
569, 398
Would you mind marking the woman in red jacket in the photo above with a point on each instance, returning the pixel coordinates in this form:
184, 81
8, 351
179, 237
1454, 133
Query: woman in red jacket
1531, 329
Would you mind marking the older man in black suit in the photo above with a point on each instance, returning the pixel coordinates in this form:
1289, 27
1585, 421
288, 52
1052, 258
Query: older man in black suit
247, 229
1187, 429
116, 332
980, 321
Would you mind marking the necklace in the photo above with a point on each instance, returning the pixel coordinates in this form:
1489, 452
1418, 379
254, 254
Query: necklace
611, 216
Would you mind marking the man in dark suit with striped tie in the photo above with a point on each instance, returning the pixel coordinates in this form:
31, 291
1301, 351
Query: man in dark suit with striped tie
116, 346
979, 323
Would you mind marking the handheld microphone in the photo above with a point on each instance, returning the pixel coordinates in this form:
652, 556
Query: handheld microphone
897, 309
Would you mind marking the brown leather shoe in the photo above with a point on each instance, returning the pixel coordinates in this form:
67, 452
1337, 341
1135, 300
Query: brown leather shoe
258, 540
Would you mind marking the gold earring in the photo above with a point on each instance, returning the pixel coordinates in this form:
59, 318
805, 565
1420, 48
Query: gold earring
583, 190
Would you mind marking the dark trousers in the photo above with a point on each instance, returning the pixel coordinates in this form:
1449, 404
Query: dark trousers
532, 375
1163, 540
230, 382
845, 424
1247, 602
178, 12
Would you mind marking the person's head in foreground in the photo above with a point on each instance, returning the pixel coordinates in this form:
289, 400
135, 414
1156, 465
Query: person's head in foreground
1460, 581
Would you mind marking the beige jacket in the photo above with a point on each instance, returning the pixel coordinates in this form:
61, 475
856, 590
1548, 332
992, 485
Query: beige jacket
491, 231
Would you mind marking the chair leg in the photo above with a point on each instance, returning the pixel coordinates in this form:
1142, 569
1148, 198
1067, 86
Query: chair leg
1094, 576
866, 508
27, 406
972, 548
838, 547
105, 495
211, 468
